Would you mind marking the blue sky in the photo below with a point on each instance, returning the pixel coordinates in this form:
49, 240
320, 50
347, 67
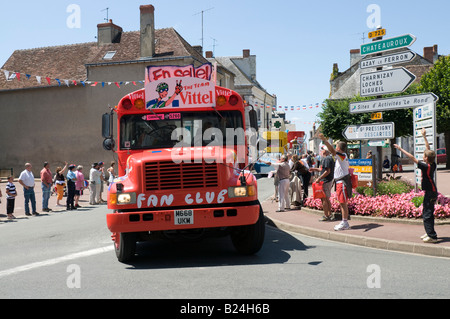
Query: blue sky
296, 42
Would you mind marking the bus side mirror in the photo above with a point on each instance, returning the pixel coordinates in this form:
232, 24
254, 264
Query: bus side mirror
107, 125
107, 131
253, 119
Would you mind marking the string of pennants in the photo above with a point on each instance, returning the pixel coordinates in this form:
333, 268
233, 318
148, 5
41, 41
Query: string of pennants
11, 75
289, 108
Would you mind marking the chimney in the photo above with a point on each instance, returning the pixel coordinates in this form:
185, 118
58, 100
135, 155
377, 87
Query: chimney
431, 53
249, 67
147, 31
355, 56
209, 54
108, 33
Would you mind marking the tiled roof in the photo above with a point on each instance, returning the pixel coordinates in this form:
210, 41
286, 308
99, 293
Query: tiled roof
68, 62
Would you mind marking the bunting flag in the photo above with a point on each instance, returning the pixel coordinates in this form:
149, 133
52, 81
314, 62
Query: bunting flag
12, 75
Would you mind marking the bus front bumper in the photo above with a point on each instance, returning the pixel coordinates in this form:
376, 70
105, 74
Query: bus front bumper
187, 218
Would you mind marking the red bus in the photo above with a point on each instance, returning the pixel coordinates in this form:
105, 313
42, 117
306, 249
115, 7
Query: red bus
182, 165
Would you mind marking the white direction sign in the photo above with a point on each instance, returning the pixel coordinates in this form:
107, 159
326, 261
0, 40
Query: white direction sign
393, 103
396, 58
424, 117
373, 131
385, 82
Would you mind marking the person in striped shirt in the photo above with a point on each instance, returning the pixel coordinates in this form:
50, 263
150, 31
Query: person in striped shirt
10, 197
428, 167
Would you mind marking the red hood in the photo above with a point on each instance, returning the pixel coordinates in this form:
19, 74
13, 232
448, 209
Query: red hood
189, 154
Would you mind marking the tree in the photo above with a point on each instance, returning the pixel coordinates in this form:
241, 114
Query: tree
437, 81
336, 116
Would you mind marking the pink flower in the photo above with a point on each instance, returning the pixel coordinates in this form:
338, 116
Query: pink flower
389, 206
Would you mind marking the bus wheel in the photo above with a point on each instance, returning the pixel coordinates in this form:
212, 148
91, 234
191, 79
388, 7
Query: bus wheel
248, 240
125, 246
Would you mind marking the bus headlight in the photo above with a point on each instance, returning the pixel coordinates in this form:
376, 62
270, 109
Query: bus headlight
126, 198
241, 191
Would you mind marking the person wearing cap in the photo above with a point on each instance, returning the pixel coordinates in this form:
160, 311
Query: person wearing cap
163, 92
26, 179
71, 180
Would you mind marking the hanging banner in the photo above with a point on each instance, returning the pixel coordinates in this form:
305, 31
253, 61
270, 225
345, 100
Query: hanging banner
179, 86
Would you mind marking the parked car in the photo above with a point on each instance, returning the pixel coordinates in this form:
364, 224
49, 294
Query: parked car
441, 155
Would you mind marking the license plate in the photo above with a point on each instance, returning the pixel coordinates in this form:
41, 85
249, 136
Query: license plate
184, 217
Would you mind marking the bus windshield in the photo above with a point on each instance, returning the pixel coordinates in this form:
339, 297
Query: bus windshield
181, 129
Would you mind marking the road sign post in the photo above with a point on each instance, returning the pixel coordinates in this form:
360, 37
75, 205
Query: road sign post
391, 59
395, 103
385, 82
373, 131
388, 44
424, 117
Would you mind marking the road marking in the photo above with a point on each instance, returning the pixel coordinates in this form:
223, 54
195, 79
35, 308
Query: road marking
55, 261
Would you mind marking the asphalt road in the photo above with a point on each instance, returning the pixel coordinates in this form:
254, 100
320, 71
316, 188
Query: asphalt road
70, 255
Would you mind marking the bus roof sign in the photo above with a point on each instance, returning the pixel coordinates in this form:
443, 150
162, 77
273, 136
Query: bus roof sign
178, 87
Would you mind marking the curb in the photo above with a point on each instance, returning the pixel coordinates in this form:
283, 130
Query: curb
389, 245
394, 220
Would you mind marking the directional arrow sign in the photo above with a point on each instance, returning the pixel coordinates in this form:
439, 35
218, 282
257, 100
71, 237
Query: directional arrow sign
374, 131
393, 103
387, 60
386, 82
388, 44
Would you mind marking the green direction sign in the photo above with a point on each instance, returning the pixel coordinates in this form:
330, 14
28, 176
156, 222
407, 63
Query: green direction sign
388, 44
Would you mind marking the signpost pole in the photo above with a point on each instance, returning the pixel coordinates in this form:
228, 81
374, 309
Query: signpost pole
379, 171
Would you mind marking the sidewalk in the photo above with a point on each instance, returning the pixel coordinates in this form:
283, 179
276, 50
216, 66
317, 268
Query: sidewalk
388, 234
19, 210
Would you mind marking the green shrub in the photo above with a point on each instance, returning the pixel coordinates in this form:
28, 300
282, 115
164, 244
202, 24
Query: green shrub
390, 187
417, 201
393, 187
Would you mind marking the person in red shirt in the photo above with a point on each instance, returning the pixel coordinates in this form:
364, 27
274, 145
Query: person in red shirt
46, 181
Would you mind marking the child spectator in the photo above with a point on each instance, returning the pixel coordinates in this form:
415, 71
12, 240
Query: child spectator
428, 168
10, 197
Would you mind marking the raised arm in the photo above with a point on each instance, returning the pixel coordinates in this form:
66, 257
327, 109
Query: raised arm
424, 134
327, 144
415, 160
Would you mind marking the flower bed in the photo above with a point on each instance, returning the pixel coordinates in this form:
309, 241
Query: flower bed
396, 205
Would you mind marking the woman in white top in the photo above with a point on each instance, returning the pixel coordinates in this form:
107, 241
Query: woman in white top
340, 172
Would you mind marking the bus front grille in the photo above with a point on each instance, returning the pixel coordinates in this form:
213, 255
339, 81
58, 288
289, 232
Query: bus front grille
170, 175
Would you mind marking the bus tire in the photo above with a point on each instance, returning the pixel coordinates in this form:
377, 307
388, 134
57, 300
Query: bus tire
248, 240
125, 246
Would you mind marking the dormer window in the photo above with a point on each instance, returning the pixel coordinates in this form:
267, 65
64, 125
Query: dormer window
109, 55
